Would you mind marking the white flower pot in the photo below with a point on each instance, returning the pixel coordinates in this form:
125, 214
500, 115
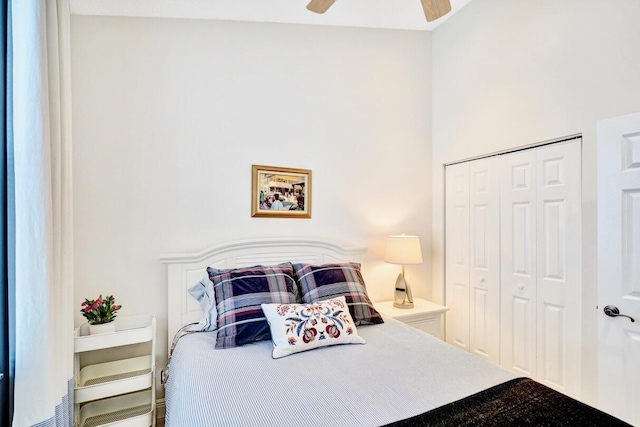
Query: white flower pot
102, 328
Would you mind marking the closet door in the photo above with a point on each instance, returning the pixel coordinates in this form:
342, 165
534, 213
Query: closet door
457, 254
518, 262
559, 266
484, 258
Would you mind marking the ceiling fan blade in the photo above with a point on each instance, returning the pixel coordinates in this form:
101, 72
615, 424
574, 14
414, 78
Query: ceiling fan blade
434, 9
320, 6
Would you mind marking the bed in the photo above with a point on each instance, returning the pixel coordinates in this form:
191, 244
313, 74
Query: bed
401, 376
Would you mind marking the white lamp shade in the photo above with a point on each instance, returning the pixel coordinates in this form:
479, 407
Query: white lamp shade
403, 250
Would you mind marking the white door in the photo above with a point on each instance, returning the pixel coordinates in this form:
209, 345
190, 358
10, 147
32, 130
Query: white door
518, 263
619, 266
457, 255
559, 266
484, 258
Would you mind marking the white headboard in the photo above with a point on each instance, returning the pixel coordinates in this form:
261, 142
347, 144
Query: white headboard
185, 270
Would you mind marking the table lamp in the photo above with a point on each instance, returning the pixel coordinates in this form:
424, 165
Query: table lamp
403, 250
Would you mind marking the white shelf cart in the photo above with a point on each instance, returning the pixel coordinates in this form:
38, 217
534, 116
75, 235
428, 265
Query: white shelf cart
120, 392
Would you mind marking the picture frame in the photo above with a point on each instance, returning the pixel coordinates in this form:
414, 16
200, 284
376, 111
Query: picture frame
280, 192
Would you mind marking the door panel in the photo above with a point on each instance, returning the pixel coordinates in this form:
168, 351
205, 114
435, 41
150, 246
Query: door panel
520, 238
457, 255
518, 267
553, 220
484, 271
619, 266
521, 344
559, 277
553, 359
631, 244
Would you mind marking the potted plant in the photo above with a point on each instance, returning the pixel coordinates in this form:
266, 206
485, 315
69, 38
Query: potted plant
100, 314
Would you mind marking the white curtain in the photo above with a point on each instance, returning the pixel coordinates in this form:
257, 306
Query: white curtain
43, 211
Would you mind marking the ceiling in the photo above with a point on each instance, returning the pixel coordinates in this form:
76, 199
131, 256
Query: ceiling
392, 14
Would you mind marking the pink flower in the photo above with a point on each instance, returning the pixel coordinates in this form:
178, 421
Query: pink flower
100, 310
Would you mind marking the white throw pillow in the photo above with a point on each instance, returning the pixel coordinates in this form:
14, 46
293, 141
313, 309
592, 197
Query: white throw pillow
300, 327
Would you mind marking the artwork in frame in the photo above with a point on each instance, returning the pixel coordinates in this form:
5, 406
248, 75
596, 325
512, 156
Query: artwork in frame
278, 192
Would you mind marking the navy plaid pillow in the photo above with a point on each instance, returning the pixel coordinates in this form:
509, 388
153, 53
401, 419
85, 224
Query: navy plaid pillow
239, 293
321, 282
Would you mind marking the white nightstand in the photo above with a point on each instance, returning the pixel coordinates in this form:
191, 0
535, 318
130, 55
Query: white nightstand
425, 315
119, 392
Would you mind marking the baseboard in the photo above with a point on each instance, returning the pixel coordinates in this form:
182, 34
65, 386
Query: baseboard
161, 409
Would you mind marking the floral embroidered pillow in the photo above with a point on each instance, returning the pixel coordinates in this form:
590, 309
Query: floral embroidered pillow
301, 327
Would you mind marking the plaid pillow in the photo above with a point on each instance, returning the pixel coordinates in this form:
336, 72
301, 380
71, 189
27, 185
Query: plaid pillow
239, 293
321, 282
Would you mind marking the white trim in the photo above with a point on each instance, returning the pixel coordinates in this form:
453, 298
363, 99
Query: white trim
513, 150
161, 409
399, 14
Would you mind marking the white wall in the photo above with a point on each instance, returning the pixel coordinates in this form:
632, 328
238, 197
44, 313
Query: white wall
508, 73
170, 114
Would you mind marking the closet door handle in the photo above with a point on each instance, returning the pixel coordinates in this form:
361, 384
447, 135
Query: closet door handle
612, 311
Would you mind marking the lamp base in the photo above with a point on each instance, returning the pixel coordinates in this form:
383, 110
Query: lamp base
402, 295
403, 305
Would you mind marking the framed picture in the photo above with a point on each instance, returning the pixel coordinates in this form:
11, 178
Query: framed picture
280, 192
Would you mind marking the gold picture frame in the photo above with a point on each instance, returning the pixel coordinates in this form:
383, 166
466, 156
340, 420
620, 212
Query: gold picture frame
278, 192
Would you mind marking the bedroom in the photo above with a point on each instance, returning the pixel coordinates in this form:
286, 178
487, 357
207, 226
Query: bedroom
169, 114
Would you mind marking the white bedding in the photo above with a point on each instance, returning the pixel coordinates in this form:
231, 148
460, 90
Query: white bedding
399, 373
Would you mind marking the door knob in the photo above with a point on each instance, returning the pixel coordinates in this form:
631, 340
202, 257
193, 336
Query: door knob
612, 311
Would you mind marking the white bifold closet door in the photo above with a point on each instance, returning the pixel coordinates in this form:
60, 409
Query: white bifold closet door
473, 257
518, 278
457, 255
523, 263
484, 259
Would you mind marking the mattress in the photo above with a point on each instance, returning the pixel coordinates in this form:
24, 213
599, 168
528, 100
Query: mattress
399, 373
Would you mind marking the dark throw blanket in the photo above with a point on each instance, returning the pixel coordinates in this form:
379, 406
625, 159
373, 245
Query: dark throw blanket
515, 403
